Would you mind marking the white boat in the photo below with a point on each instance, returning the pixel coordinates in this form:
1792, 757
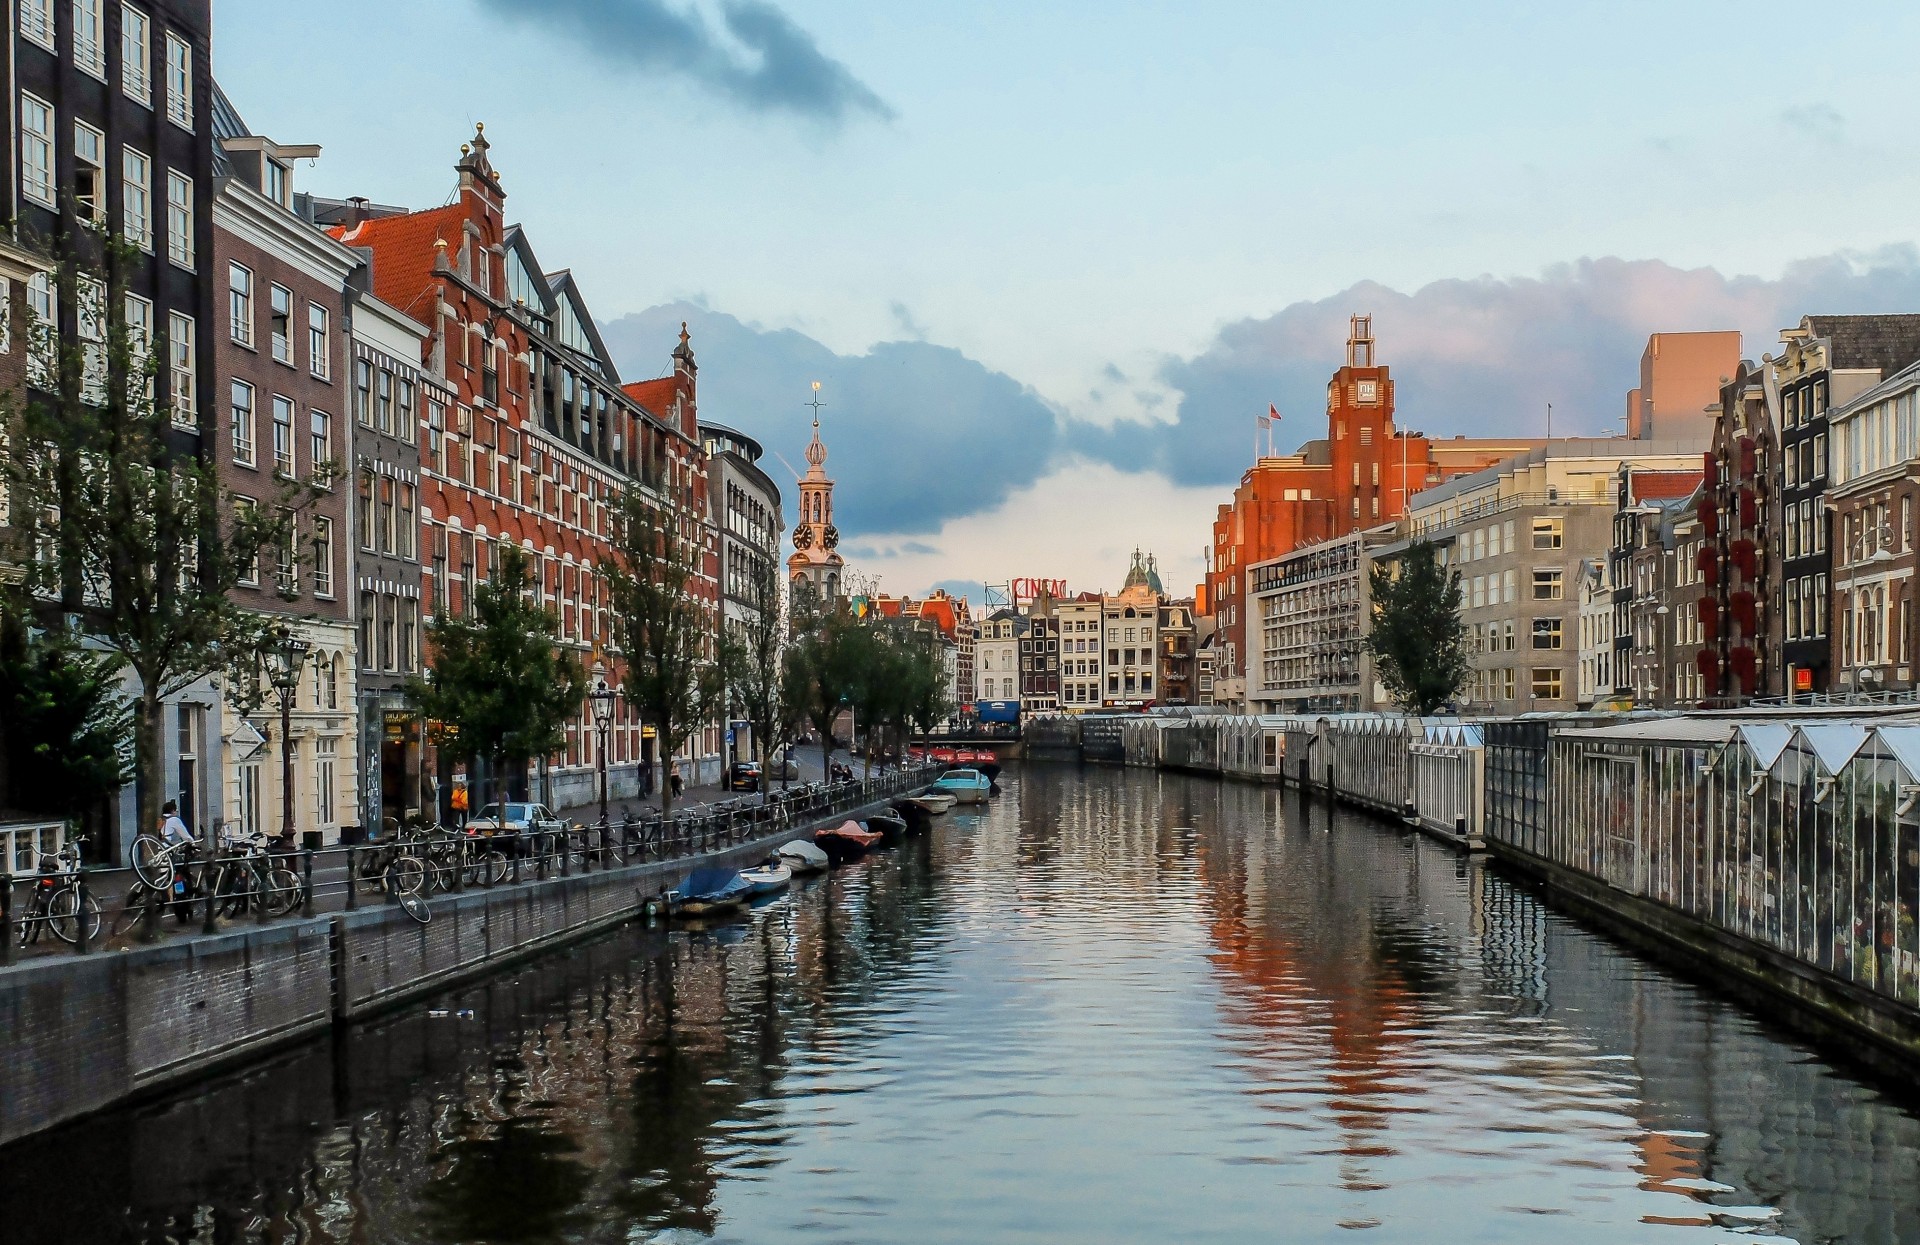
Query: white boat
932, 802
801, 857
968, 786
767, 879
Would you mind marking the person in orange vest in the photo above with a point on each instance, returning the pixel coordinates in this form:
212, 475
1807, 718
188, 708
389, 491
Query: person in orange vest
459, 803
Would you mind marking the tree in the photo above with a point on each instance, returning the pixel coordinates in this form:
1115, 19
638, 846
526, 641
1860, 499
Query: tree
677, 662
825, 658
120, 522
760, 686
1417, 639
497, 681
66, 732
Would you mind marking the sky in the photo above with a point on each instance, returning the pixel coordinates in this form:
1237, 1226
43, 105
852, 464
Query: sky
1050, 262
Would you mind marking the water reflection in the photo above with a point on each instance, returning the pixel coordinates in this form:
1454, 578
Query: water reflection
1115, 1006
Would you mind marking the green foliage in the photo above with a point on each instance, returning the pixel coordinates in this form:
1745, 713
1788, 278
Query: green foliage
1417, 639
677, 665
760, 686
115, 517
66, 732
825, 661
497, 678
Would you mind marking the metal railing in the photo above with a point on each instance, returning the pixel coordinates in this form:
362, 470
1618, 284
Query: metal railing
254, 883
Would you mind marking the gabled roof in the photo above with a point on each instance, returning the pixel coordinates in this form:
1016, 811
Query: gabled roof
656, 395
566, 289
1834, 743
1884, 342
1664, 485
403, 251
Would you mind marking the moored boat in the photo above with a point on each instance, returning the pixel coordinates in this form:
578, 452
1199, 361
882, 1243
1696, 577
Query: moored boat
967, 786
932, 801
889, 825
802, 858
768, 879
707, 891
845, 842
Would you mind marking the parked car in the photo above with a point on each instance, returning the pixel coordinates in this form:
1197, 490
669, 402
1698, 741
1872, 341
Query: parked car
519, 819
743, 776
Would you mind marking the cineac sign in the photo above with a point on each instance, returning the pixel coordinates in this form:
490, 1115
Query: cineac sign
1026, 590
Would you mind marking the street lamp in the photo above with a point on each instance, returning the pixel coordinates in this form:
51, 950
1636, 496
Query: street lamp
286, 658
602, 698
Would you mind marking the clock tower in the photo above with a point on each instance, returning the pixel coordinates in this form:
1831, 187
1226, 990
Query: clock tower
816, 560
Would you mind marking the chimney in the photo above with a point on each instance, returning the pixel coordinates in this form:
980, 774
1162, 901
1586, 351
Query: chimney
356, 212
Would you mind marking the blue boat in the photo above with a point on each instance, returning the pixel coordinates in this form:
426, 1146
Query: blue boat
968, 786
706, 891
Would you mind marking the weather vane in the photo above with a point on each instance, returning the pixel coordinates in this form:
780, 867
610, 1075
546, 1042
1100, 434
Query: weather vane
816, 404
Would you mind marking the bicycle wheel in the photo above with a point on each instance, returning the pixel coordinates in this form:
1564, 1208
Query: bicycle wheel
152, 862
441, 864
491, 869
408, 875
63, 915
283, 891
132, 908
415, 907
233, 889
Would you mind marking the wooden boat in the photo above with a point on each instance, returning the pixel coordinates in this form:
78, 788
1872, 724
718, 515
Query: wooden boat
845, 842
889, 825
802, 858
707, 891
967, 786
767, 879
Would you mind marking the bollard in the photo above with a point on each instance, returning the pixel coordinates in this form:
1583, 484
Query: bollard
306, 875
353, 877
150, 905
82, 936
262, 880
462, 849
6, 918
210, 923
542, 843
519, 850
566, 851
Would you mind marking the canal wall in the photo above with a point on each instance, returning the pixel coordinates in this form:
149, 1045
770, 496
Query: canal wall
82, 1033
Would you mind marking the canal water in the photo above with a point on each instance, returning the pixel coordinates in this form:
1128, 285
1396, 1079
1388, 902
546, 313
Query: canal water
1113, 1007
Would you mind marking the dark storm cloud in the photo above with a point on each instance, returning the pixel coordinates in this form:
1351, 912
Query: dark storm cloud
1480, 356
916, 433
784, 69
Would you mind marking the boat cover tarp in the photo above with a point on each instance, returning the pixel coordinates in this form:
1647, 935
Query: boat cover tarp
703, 882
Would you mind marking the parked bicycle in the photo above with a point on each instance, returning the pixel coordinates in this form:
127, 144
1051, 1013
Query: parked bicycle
58, 902
249, 879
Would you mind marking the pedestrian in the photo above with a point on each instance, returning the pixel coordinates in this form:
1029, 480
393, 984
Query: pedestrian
173, 829
674, 781
458, 801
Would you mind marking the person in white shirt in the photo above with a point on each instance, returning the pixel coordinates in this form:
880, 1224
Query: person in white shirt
172, 828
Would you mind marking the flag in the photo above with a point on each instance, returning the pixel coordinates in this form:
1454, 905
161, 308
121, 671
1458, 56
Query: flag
1273, 412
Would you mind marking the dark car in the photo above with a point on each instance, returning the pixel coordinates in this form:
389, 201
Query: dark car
743, 776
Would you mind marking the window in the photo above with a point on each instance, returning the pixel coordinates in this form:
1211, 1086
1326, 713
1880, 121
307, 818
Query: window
363, 392
240, 304
243, 512
287, 574
90, 316
136, 64
89, 53
36, 150
1546, 683
136, 198
385, 521
383, 400
322, 556
179, 218
1546, 632
36, 21
320, 425
319, 350
436, 430
183, 371
280, 322
1546, 582
42, 328
366, 510
140, 337
283, 435
243, 423
324, 751
1546, 533
404, 537
278, 184
89, 172
179, 81
367, 625
403, 427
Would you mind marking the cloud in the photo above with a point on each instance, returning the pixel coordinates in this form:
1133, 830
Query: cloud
1478, 355
1820, 120
916, 434
904, 321
783, 69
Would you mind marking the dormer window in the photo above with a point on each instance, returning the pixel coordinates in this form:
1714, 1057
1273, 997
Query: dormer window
278, 183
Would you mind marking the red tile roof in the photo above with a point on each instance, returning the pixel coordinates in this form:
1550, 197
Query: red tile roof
403, 252
940, 613
655, 395
1662, 485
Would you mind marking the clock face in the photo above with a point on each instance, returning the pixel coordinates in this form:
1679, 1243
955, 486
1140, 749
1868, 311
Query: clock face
802, 537
830, 537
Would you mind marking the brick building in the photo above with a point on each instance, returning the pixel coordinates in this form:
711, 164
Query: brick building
1740, 612
540, 442
279, 361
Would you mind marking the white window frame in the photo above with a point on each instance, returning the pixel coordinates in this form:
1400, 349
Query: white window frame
180, 245
179, 81
136, 197
36, 22
240, 304
87, 137
319, 441
136, 54
184, 369
43, 326
89, 38
39, 151
245, 445
281, 342
286, 456
139, 313
319, 341
90, 321
250, 573
6, 319
322, 543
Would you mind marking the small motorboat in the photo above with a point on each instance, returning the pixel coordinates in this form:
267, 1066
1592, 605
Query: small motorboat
932, 803
768, 879
990, 768
707, 891
966, 786
802, 858
919, 820
846, 841
889, 825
